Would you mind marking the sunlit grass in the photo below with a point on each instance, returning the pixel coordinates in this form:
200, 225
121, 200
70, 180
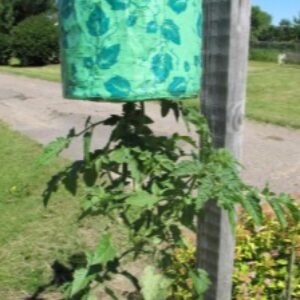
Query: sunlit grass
51, 72
273, 94
31, 236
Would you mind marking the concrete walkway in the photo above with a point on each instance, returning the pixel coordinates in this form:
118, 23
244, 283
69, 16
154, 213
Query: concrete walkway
37, 109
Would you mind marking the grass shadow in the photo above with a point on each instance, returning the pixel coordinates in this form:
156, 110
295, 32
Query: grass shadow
62, 274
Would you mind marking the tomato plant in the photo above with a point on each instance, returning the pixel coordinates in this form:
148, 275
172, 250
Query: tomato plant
154, 186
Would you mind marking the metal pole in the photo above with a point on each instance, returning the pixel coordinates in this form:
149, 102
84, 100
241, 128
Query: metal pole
225, 58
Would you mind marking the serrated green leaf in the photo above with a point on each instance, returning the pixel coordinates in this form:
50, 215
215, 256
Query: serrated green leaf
291, 205
165, 162
232, 218
279, 211
294, 210
92, 297
142, 199
200, 281
133, 167
154, 285
187, 168
120, 155
251, 204
53, 149
105, 251
205, 192
189, 140
155, 189
80, 281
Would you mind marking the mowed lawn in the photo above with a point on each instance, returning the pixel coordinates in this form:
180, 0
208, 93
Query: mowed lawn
51, 72
274, 94
31, 236
273, 90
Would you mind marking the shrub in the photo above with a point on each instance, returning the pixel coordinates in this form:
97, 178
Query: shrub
182, 260
267, 261
5, 48
268, 55
280, 46
35, 41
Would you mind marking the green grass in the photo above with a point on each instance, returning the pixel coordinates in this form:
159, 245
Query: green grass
273, 90
264, 55
32, 237
274, 94
51, 72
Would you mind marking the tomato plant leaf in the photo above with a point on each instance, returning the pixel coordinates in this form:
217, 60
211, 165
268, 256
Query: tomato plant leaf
279, 211
200, 281
80, 281
154, 285
142, 199
251, 204
105, 251
53, 150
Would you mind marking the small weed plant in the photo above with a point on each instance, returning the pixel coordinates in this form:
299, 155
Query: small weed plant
155, 187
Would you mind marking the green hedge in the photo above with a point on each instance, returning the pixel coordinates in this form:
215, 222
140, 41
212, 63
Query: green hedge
268, 55
267, 262
35, 41
5, 48
281, 46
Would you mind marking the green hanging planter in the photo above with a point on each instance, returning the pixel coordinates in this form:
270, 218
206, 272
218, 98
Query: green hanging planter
130, 50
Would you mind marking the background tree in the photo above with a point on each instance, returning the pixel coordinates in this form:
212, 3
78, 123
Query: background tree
6, 16
13, 12
297, 20
286, 31
297, 26
285, 23
26, 8
260, 21
268, 35
264, 31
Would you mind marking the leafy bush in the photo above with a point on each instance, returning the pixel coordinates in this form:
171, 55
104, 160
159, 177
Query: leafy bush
155, 187
13, 12
5, 48
267, 264
267, 261
280, 46
35, 41
267, 55
182, 260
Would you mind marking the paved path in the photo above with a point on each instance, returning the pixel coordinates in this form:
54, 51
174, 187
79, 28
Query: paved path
37, 109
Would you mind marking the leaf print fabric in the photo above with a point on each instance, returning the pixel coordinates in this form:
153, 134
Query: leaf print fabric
130, 50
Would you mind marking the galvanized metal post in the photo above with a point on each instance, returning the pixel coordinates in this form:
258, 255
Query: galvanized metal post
225, 58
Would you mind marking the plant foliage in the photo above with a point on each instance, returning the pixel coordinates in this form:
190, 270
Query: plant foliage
35, 41
267, 262
155, 186
267, 55
5, 48
13, 12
